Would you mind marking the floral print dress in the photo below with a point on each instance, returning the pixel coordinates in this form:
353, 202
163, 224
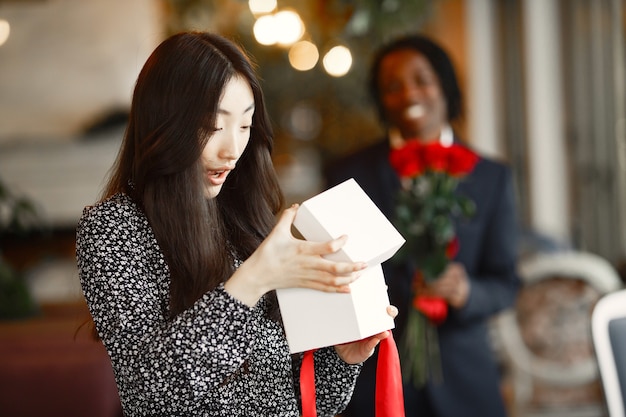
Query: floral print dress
218, 358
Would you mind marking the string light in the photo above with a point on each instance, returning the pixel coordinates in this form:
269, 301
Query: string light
337, 61
264, 30
290, 27
303, 55
283, 28
262, 6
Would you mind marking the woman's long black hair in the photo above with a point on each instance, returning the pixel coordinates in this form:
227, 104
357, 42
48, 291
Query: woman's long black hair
176, 98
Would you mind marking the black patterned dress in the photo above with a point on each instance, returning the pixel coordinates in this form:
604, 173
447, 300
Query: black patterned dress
218, 358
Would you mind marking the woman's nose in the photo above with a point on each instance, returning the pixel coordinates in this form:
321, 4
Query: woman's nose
230, 147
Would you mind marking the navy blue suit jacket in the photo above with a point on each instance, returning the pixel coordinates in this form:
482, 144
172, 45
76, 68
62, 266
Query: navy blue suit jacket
488, 250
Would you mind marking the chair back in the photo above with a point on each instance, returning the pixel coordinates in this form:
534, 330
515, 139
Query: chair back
608, 327
545, 340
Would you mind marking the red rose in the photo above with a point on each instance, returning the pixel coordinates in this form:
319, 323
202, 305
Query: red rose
435, 156
435, 308
461, 160
453, 248
407, 160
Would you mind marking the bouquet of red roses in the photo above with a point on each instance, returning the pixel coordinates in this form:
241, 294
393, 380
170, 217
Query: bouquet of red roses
425, 208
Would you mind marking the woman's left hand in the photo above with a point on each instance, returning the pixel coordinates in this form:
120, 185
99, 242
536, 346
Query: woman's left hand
359, 351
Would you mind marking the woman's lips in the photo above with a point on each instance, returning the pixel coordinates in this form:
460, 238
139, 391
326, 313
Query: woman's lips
414, 111
217, 177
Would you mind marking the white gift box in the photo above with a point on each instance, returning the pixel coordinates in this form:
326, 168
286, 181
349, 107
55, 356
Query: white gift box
315, 319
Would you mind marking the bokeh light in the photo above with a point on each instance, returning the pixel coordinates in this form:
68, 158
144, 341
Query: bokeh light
289, 26
284, 28
337, 61
303, 55
304, 121
264, 30
262, 6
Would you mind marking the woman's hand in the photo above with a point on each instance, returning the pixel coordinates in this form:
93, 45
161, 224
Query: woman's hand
453, 285
359, 351
282, 261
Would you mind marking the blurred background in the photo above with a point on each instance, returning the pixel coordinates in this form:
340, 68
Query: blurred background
544, 84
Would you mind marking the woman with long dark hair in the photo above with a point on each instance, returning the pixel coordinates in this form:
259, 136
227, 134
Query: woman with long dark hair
180, 258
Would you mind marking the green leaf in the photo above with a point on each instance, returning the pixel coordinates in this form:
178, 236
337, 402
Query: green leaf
468, 207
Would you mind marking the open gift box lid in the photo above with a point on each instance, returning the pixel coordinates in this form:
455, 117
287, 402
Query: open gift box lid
314, 319
347, 210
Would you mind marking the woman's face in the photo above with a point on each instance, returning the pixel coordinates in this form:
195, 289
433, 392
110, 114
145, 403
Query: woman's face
411, 95
227, 143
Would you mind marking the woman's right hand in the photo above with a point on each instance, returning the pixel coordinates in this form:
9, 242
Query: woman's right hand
282, 261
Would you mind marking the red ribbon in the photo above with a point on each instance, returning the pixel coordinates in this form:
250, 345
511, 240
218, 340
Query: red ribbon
307, 385
389, 395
